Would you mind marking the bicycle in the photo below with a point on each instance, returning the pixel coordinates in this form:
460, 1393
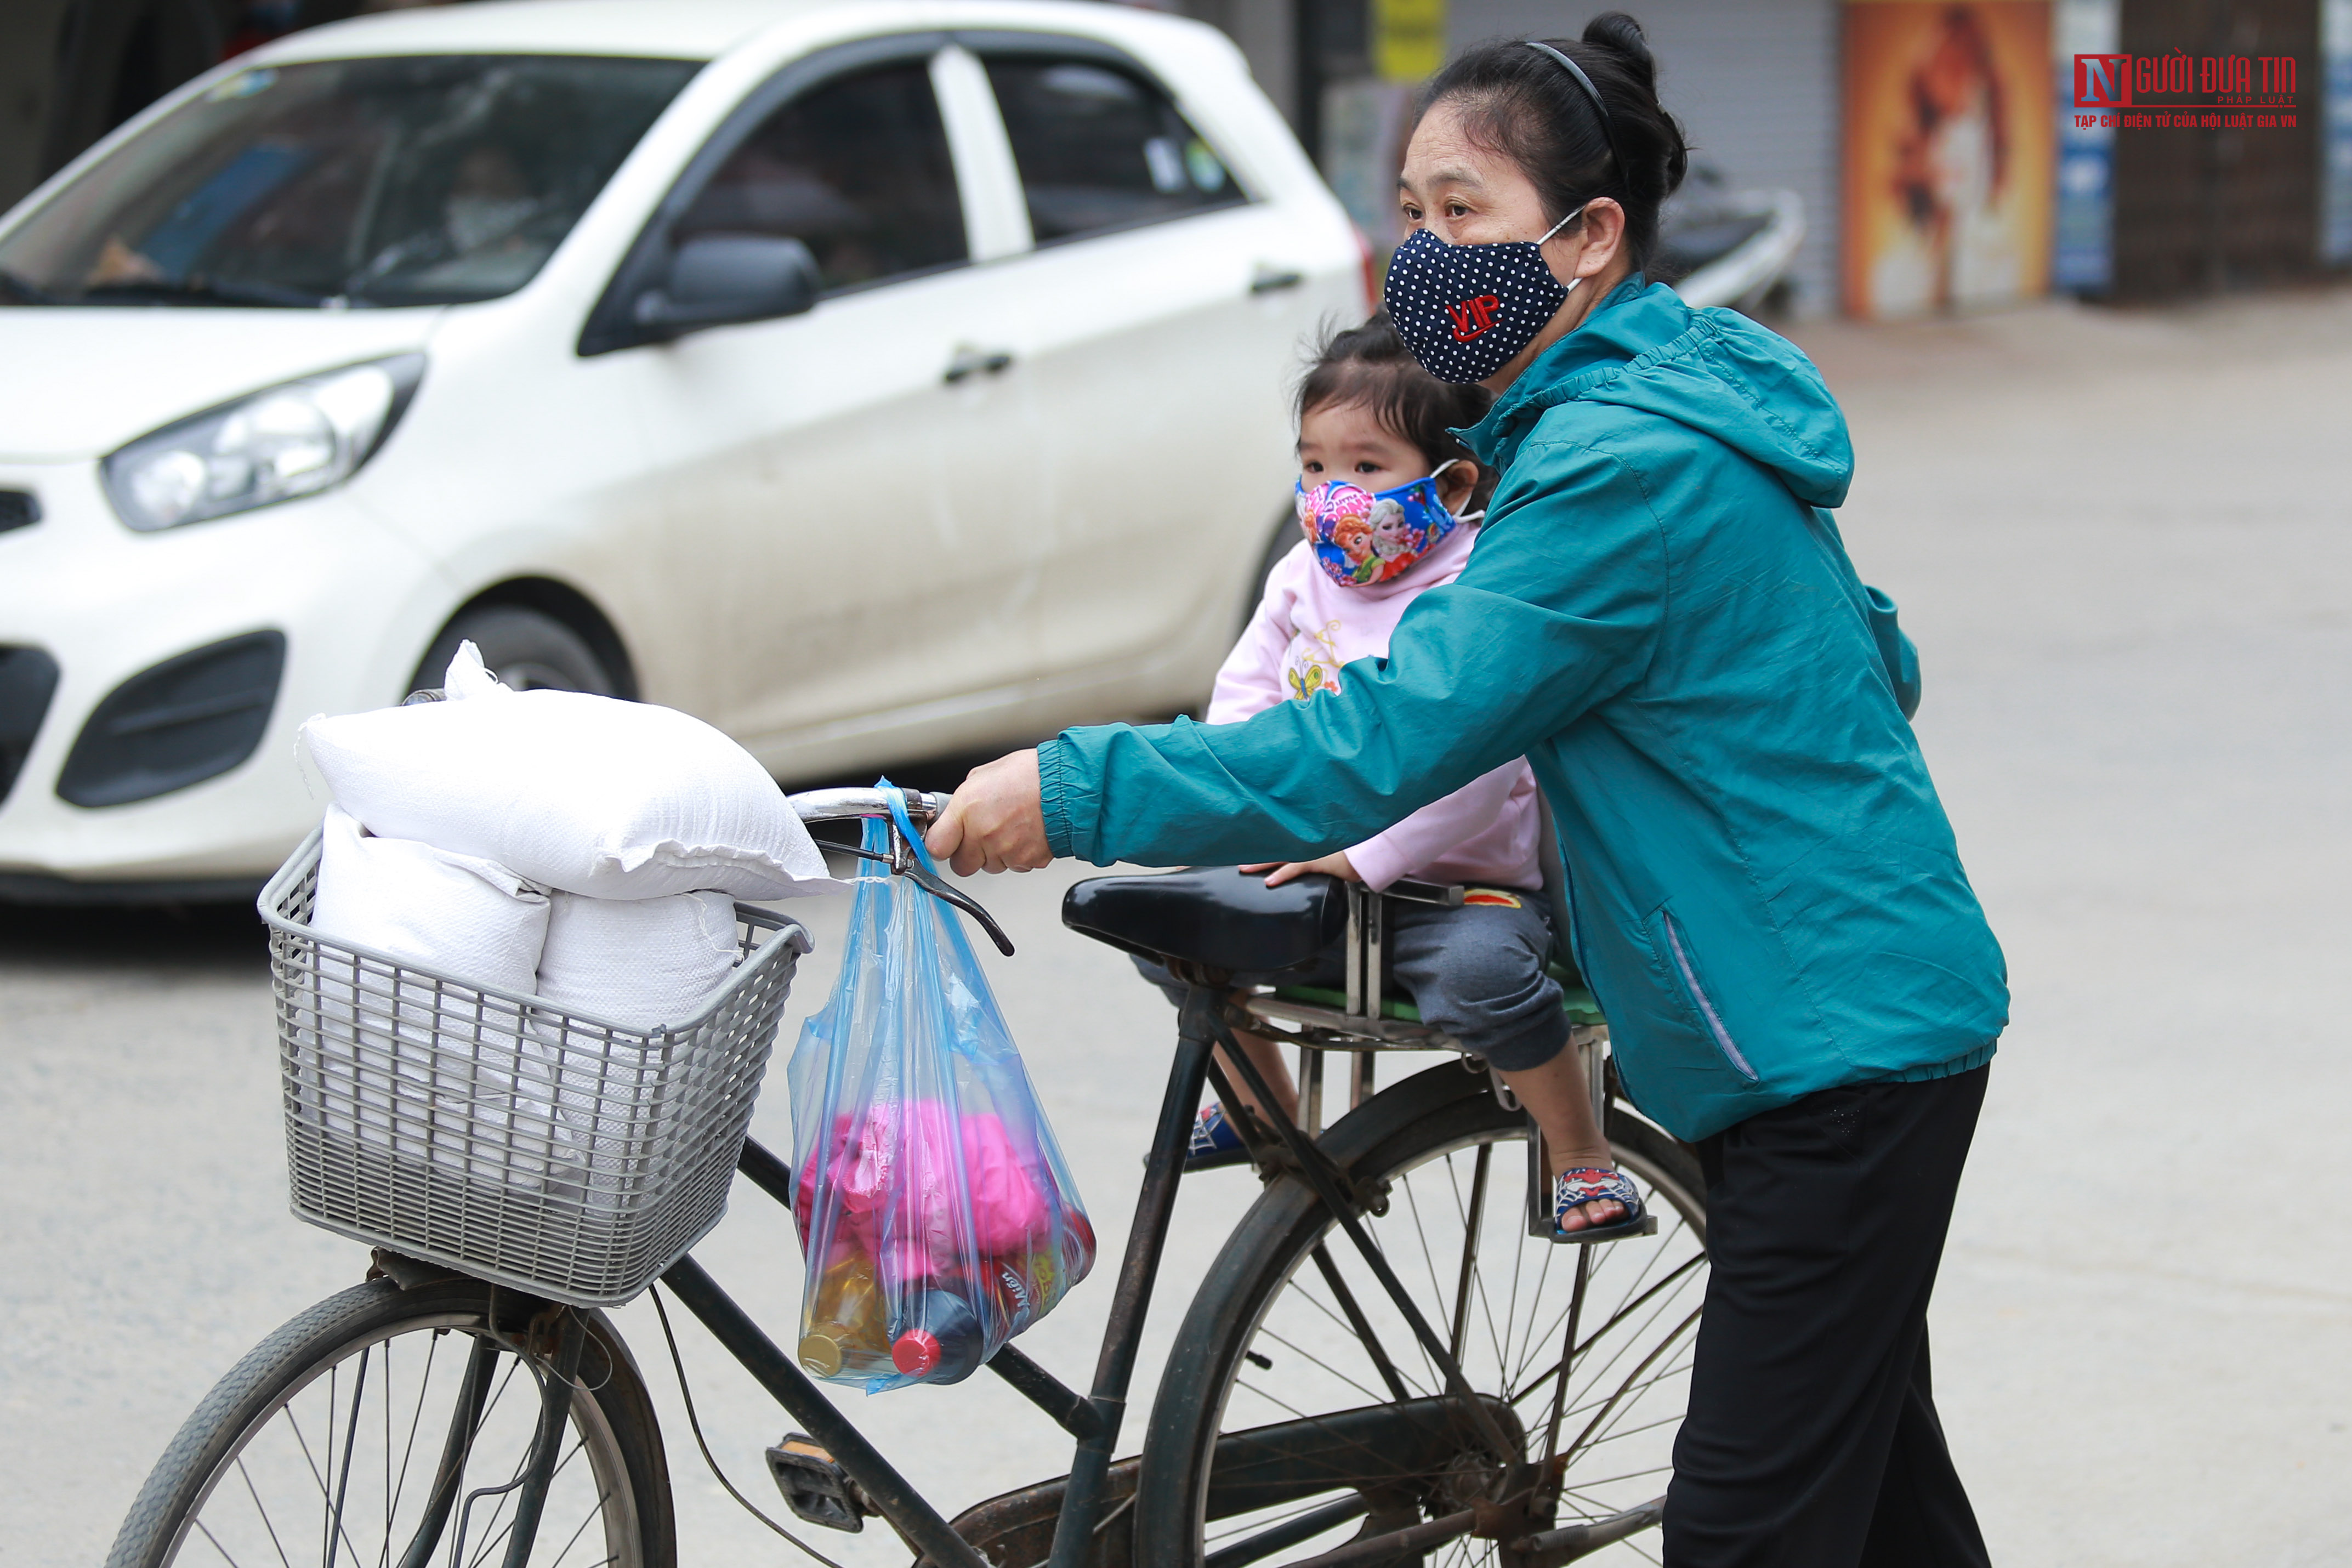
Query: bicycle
1383, 1364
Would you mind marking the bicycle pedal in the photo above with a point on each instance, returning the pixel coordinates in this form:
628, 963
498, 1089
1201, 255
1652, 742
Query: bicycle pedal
815, 1487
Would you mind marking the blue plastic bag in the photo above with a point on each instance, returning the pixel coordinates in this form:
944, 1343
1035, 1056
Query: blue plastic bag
937, 1215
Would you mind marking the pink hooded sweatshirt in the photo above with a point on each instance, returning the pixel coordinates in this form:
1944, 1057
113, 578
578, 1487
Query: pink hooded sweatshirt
1303, 630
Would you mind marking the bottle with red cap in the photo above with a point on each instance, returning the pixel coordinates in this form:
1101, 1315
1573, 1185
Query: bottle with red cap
942, 1338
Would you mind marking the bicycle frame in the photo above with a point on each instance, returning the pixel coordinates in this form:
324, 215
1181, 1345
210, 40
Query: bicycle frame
1093, 1419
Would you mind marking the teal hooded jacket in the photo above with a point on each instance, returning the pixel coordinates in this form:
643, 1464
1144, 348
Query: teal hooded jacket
1660, 615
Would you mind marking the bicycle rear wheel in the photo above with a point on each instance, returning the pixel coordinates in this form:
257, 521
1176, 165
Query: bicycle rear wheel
1298, 1411
383, 1428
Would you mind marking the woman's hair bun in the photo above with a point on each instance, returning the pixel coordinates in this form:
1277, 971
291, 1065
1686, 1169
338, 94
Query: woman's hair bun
1622, 36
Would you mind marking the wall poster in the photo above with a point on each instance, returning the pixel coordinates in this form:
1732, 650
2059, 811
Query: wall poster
1949, 155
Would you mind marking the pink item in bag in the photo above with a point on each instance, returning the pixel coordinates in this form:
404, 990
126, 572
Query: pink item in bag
896, 1176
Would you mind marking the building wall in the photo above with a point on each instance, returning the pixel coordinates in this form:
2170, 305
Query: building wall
1754, 82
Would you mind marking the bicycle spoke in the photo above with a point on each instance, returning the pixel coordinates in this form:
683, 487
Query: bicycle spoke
1315, 1360
257, 1507
1472, 1223
1260, 1526
351, 1449
216, 1546
384, 1556
1628, 1475
1596, 1376
1329, 1269
1321, 1424
1536, 1382
483, 1555
1632, 1387
1429, 1264
1614, 1434
327, 1541
316, 1478
1528, 1346
1567, 1353
1656, 1255
601, 1500
1669, 1343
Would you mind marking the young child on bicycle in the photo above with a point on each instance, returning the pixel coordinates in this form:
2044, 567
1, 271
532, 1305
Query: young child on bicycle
1382, 488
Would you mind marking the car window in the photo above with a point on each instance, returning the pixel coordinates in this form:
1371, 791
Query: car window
1100, 147
857, 169
420, 180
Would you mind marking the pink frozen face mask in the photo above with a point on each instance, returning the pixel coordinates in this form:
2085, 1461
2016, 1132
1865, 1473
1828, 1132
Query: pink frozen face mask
1364, 537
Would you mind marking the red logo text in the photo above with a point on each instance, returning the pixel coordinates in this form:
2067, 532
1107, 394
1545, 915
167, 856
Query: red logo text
1472, 317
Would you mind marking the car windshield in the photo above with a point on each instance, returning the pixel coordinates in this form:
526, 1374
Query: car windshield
411, 180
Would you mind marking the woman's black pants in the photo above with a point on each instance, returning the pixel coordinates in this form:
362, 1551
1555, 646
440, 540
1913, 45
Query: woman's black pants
1812, 1440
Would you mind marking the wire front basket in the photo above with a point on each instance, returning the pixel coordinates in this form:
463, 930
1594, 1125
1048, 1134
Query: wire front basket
493, 1132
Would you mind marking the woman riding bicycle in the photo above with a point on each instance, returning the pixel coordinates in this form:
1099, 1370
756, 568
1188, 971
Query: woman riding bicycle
1660, 615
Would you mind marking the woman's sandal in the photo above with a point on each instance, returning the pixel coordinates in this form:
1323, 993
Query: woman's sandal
1592, 1184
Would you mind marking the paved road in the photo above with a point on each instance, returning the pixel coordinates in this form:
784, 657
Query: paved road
2125, 544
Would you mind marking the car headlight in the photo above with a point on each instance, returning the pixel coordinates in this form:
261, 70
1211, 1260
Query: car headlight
287, 441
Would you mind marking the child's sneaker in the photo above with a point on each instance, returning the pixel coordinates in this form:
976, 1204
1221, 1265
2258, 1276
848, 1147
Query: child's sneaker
1216, 1142
1212, 1135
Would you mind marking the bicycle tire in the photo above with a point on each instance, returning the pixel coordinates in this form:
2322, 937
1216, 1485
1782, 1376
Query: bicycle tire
1406, 1128
612, 1421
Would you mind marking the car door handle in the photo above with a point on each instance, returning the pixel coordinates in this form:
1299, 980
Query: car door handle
969, 362
1274, 279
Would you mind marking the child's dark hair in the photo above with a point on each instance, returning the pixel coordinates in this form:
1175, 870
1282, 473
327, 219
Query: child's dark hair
1370, 365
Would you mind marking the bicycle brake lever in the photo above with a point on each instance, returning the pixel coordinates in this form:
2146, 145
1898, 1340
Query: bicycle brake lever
963, 902
914, 872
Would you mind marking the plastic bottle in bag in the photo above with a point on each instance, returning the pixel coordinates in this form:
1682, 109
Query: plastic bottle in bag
849, 1325
942, 1340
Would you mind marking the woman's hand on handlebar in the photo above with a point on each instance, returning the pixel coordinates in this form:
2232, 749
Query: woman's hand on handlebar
995, 822
1334, 864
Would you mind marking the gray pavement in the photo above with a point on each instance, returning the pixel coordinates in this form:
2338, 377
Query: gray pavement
2124, 546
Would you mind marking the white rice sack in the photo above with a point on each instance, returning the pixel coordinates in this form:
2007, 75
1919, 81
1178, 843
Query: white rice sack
640, 963
588, 794
431, 1062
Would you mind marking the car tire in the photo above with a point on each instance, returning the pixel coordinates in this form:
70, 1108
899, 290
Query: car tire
526, 649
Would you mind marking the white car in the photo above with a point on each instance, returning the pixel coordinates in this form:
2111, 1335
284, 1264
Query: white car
870, 379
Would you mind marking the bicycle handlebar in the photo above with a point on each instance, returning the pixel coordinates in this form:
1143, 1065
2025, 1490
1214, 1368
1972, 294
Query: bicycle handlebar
846, 805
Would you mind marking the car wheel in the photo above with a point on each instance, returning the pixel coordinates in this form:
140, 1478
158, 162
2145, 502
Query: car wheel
528, 649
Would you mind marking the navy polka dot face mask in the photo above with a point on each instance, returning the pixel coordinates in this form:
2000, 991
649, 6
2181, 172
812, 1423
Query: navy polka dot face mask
1465, 309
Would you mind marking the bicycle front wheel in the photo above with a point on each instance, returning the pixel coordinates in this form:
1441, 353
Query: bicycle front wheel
384, 1429
1300, 1411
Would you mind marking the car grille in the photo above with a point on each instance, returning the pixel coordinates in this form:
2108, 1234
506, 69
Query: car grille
19, 509
186, 720
29, 677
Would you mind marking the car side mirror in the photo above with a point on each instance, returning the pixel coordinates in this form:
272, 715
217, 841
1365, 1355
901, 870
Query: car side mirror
718, 280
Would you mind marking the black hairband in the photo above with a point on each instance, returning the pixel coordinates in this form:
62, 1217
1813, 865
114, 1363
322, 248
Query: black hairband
1608, 127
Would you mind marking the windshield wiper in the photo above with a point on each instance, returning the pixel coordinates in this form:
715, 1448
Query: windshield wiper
200, 291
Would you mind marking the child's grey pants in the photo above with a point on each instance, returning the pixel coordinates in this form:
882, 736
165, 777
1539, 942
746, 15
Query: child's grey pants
1475, 973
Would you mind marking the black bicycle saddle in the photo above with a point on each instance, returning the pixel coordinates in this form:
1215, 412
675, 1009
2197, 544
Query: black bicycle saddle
1214, 916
